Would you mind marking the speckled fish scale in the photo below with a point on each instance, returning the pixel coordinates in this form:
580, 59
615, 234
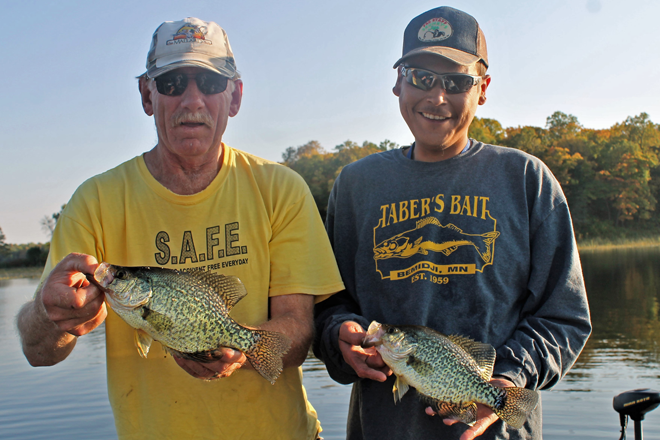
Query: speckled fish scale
451, 373
188, 313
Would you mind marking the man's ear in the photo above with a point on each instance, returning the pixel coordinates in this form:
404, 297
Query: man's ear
482, 89
236, 98
145, 92
397, 87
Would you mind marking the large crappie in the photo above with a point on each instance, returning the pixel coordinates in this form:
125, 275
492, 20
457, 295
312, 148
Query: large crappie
188, 313
451, 373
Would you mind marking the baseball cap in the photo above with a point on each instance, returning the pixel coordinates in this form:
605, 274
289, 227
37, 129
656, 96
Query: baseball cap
446, 32
190, 42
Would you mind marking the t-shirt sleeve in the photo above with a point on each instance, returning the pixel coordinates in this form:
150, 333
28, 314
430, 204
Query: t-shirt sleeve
302, 260
73, 232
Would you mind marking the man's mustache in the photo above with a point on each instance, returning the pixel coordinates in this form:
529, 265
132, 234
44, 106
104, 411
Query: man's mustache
191, 118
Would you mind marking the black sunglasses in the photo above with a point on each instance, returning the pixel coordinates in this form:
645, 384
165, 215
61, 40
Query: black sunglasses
175, 83
453, 83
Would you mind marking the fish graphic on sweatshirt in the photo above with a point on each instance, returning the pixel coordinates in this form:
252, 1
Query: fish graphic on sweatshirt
419, 240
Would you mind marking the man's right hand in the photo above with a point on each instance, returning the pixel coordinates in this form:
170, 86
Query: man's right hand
69, 300
65, 306
366, 362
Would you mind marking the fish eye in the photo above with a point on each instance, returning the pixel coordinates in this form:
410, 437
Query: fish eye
391, 330
120, 274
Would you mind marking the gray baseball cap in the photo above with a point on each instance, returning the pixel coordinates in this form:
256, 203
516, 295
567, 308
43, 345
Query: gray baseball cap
190, 42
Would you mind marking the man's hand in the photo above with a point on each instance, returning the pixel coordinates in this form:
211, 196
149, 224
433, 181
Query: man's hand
230, 361
66, 306
485, 416
366, 362
69, 300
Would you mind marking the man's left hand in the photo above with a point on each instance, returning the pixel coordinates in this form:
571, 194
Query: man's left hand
485, 415
230, 361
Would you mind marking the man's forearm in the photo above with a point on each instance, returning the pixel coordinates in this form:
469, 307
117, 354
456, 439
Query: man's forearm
42, 341
291, 315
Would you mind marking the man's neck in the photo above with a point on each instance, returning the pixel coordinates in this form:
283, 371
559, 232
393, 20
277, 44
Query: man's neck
421, 154
183, 176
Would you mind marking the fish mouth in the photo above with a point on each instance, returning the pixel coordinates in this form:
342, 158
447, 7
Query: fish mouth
374, 335
103, 276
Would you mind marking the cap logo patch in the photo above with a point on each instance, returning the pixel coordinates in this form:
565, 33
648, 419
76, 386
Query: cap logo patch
190, 33
436, 29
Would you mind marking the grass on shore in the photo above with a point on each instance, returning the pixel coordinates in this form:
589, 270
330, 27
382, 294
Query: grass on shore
600, 244
21, 272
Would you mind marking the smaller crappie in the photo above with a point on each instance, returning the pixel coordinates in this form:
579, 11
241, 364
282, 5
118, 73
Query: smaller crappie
451, 373
188, 313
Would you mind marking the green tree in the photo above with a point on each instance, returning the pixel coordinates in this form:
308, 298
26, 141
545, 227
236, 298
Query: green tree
4, 247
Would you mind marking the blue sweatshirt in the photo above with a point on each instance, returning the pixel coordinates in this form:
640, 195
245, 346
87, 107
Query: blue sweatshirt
480, 245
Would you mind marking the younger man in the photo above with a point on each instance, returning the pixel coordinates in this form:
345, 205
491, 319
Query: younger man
450, 233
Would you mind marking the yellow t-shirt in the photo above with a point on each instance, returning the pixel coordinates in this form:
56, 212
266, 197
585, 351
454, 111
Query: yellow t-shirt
256, 220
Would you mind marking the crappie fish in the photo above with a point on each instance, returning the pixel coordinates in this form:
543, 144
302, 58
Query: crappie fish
188, 313
451, 373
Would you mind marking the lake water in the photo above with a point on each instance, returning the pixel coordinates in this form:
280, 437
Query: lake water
69, 400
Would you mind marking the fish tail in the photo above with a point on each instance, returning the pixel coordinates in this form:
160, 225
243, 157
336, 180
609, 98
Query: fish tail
514, 404
265, 355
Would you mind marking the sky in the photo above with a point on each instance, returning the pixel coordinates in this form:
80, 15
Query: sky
311, 71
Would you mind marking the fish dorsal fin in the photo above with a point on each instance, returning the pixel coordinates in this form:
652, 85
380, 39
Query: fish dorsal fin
430, 220
142, 342
482, 353
400, 388
229, 287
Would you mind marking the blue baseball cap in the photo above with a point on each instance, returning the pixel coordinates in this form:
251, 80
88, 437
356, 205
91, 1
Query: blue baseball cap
445, 32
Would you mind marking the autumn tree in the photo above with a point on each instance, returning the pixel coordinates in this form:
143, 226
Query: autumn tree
320, 168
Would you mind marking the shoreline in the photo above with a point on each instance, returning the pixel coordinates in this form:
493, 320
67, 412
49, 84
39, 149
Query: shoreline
20, 272
586, 246
597, 245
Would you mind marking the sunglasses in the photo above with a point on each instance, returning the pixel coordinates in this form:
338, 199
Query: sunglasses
453, 83
175, 83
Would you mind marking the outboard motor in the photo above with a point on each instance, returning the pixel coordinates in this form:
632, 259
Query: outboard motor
636, 404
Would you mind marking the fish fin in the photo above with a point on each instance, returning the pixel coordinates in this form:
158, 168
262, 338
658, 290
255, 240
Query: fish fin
426, 221
514, 404
230, 288
199, 356
418, 241
142, 342
265, 355
159, 321
462, 412
400, 388
482, 353
454, 227
418, 365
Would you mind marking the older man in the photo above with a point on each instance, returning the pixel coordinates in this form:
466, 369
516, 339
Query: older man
190, 203
450, 233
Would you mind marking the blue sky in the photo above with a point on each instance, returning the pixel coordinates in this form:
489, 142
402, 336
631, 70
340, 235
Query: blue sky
312, 71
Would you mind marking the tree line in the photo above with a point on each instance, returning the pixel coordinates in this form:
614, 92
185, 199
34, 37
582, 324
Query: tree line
611, 177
